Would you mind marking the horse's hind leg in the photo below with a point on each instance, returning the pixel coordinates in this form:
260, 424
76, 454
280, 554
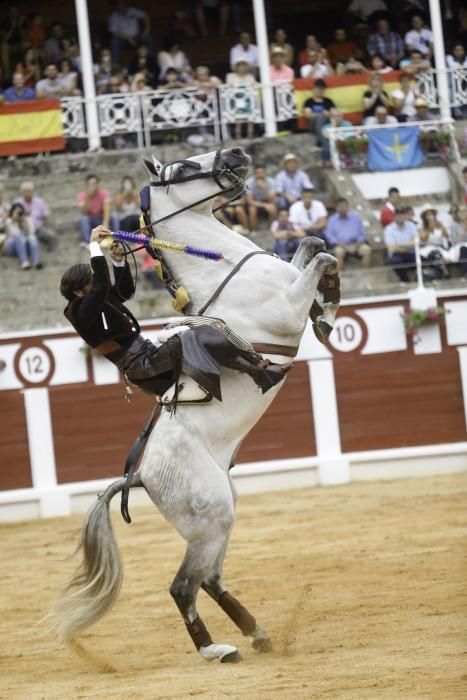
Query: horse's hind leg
240, 616
184, 589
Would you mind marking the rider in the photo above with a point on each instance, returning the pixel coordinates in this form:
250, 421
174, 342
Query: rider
96, 311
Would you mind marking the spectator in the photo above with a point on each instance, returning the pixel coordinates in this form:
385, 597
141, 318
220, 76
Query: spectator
422, 113
335, 120
117, 84
38, 212
104, 72
260, 196
204, 81
17, 92
68, 77
143, 63
403, 98
346, 234
127, 205
316, 109
146, 264
351, 67
139, 83
174, 57
279, 72
342, 48
12, 38
311, 44
318, 65
232, 215
387, 213
380, 117
309, 214
376, 96
458, 237
415, 63
243, 82
458, 58
399, 237
434, 238
280, 42
420, 37
35, 34
245, 51
21, 241
378, 64
290, 182
387, 43
30, 68
125, 29
202, 5
51, 86
364, 10
171, 80
456, 62
53, 52
94, 205
287, 236
464, 180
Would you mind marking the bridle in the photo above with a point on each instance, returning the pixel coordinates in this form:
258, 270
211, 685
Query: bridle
220, 169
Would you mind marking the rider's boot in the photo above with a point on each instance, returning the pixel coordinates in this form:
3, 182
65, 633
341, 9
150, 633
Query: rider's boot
265, 374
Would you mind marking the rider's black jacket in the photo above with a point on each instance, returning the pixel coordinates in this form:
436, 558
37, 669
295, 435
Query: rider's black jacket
100, 315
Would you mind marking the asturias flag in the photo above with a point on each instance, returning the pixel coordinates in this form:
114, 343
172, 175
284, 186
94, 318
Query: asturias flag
31, 127
394, 149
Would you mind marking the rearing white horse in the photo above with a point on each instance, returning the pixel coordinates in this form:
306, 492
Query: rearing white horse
185, 467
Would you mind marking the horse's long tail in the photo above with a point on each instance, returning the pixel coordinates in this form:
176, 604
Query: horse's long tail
95, 585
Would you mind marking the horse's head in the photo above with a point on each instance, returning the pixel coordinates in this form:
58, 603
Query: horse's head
199, 178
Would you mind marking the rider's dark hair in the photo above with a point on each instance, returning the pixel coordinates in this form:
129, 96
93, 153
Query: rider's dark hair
73, 279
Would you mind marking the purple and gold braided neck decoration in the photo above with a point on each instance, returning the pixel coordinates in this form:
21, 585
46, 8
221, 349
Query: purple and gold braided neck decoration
150, 242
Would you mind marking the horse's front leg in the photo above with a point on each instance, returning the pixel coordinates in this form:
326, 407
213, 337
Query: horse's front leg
317, 292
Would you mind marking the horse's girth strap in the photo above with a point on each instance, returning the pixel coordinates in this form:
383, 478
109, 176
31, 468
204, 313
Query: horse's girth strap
271, 349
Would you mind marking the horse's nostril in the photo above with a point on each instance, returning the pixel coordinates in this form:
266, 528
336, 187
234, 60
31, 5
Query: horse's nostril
237, 152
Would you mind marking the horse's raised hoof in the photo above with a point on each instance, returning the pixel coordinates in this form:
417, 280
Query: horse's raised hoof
263, 645
322, 331
234, 657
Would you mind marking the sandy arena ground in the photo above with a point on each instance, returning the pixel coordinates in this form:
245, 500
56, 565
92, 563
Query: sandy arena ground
362, 587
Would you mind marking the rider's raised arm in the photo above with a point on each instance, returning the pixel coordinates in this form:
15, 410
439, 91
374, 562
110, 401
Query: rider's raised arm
91, 303
124, 286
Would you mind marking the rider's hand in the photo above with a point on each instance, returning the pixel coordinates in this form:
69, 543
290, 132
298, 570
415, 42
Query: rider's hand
117, 252
99, 233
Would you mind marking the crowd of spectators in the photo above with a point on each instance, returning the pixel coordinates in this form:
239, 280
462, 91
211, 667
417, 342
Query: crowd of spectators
40, 61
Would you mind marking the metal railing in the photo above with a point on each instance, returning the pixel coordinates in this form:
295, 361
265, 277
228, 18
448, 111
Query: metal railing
426, 87
349, 144
205, 111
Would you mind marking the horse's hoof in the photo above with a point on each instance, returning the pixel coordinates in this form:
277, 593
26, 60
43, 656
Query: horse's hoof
262, 645
234, 657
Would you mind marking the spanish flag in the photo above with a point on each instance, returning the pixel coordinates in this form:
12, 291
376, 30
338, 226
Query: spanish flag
31, 127
346, 91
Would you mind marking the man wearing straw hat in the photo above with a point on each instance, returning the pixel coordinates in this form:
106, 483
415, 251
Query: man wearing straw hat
97, 312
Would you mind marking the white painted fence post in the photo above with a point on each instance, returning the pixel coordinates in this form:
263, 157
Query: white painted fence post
333, 467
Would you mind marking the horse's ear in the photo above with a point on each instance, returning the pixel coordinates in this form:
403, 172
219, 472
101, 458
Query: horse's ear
157, 165
150, 167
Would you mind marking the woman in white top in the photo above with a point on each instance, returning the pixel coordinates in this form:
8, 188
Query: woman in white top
174, 57
404, 97
21, 241
434, 238
68, 77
